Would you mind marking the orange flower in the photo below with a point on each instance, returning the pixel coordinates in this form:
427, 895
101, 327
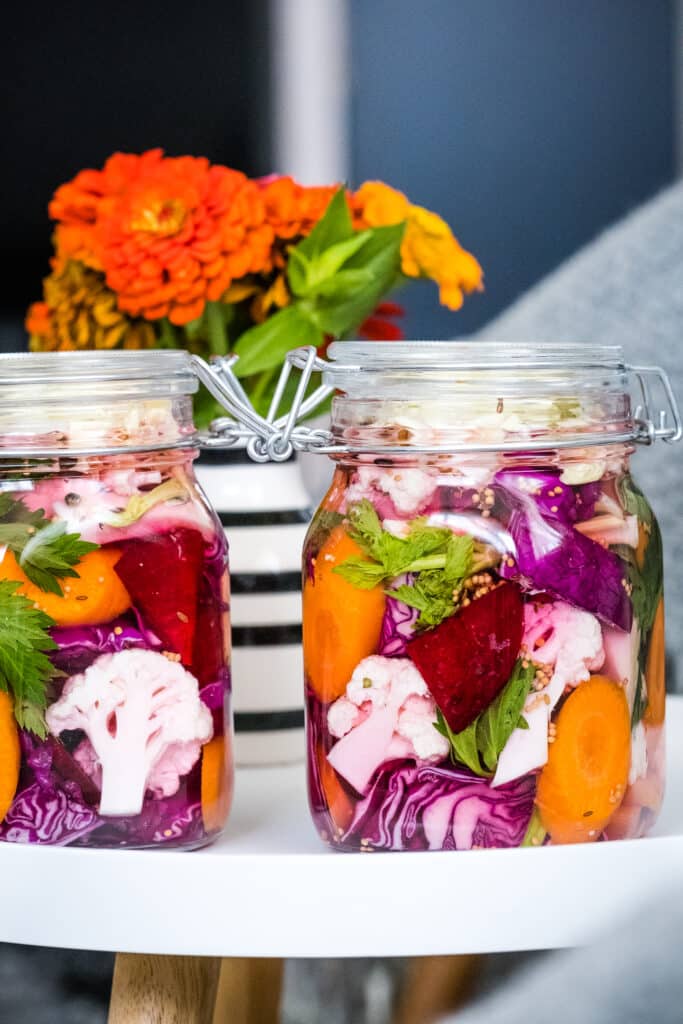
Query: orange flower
293, 209
79, 311
429, 248
170, 233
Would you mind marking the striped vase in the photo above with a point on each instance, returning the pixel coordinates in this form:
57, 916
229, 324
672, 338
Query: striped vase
265, 510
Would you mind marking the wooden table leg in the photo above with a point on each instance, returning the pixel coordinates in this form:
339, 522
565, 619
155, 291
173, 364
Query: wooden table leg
249, 991
163, 989
434, 985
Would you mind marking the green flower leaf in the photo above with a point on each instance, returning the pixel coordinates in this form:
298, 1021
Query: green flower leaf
264, 346
334, 226
380, 258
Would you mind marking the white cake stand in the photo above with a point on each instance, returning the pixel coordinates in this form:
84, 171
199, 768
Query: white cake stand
270, 889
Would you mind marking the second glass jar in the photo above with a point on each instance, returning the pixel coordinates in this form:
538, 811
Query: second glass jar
484, 631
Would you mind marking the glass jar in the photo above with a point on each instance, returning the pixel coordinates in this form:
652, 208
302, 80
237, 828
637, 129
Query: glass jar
483, 618
115, 724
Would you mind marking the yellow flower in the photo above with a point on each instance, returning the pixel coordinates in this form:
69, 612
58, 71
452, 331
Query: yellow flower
79, 311
429, 248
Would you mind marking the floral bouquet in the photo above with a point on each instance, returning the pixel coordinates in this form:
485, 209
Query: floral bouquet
154, 251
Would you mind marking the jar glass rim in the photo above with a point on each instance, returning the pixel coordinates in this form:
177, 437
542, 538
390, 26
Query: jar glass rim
473, 355
172, 366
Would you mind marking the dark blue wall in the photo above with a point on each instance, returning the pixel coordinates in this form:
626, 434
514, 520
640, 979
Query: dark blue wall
528, 124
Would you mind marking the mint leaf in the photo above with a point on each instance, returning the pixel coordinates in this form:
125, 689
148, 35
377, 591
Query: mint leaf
25, 669
496, 724
463, 744
265, 345
479, 746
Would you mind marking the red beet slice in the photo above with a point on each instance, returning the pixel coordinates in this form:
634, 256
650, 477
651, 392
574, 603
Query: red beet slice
467, 660
69, 769
209, 657
162, 577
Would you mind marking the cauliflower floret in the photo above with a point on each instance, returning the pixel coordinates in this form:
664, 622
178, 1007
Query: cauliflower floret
394, 717
144, 721
408, 489
385, 681
416, 724
567, 638
342, 716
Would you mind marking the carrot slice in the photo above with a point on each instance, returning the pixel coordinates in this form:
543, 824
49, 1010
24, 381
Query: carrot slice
655, 670
96, 595
585, 779
341, 623
10, 754
216, 784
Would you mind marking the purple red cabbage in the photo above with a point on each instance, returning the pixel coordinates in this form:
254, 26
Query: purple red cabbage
79, 646
175, 820
398, 624
56, 805
549, 555
440, 808
47, 815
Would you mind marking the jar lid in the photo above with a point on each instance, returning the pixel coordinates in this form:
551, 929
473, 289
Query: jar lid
95, 402
166, 371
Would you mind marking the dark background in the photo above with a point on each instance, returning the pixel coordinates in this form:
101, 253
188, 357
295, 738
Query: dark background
529, 124
81, 81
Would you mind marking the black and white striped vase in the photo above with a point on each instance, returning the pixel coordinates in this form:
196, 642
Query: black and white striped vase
265, 510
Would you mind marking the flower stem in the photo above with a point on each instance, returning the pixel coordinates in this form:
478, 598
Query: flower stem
215, 328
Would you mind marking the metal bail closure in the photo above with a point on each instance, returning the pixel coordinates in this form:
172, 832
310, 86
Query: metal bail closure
270, 438
650, 431
274, 438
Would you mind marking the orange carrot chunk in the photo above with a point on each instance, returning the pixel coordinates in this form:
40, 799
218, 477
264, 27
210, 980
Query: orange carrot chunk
216, 784
655, 671
96, 595
342, 623
10, 754
585, 779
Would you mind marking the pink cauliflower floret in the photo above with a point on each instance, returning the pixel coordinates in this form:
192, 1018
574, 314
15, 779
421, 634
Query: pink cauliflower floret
565, 637
394, 492
570, 641
144, 722
119, 505
387, 712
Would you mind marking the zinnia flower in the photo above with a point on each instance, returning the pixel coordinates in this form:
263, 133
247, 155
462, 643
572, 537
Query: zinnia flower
293, 209
429, 248
170, 233
79, 312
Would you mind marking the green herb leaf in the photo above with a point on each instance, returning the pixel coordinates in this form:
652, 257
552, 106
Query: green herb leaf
51, 554
43, 549
265, 345
479, 746
438, 558
25, 669
435, 591
464, 749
